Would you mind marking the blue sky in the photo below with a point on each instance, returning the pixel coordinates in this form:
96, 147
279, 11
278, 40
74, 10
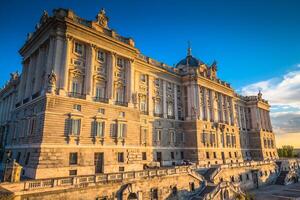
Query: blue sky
254, 42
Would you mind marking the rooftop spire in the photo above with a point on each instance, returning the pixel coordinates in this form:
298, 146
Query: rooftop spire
189, 50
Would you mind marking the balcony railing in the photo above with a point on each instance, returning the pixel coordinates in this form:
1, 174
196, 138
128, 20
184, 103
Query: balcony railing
25, 100
171, 117
158, 115
35, 95
121, 103
101, 99
144, 112
18, 104
76, 95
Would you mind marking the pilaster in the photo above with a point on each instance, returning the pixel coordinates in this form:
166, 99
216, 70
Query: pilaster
65, 69
165, 99
130, 82
150, 95
175, 102
89, 72
110, 80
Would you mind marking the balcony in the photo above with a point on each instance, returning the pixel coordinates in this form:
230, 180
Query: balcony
171, 117
121, 103
76, 95
101, 99
144, 112
18, 104
25, 100
35, 95
158, 115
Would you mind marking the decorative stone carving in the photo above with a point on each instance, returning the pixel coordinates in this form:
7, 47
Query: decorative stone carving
102, 19
44, 17
259, 95
51, 82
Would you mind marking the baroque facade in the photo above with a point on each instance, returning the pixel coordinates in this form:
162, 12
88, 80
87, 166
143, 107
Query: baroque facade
87, 101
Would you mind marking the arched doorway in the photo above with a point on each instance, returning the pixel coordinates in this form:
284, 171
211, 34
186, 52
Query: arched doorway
132, 196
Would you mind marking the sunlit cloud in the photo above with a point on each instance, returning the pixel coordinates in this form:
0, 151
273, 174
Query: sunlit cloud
283, 93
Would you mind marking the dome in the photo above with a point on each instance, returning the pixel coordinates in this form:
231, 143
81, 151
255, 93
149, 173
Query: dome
190, 61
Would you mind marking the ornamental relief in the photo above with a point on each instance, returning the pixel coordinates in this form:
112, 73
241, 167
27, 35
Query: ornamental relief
76, 73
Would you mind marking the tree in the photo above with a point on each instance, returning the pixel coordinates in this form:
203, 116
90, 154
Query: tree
286, 151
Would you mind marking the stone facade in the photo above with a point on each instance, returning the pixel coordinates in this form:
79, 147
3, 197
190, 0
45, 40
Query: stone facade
89, 102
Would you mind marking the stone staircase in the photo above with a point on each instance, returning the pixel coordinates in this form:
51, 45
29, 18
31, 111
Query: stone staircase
281, 178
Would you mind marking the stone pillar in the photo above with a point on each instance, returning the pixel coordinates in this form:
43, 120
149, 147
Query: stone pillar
57, 59
221, 108
110, 76
189, 104
200, 103
65, 67
165, 113
49, 60
204, 103
232, 113
89, 72
269, 120
214, 106
150, 95
29, 78
130, 82
175, 102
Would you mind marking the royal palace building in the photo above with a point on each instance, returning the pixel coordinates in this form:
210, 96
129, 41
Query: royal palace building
87, 101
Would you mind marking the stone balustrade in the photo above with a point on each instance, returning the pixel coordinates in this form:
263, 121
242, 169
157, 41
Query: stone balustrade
91, 180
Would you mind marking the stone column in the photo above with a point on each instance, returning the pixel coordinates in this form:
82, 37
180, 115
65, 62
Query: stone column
200, 103
175, 102
29, 78
65, 67
204, 103
130, 82
110, 76
150, 95
89, 72
38, 69
49, 60
222, 118
21, 88
232, 113
57, 60
165, 113
269, 120
244, 117
215, 106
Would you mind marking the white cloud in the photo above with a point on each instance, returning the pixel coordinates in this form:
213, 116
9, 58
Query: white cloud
283, 93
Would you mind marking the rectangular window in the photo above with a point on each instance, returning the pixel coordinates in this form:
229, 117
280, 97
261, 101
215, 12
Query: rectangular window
144, 155
101, 56
101, 111
235, 154
172, 155
73, 158
79, 48
75, 127
77, 107
73, 172
99, 92
99, 129
230, 155
31, 126
18, 157
121, 62
207, 155
121, 157
122, 130
170, 109
172, 137
157, 107
75, 87
154, 194
182, 155
215, 155
143, 78
158, 135
27, 158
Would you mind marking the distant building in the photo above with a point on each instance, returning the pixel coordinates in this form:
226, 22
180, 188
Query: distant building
87, 101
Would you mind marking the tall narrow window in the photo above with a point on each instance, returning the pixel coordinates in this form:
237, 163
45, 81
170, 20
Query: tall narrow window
79, 48
121, 130
158, 135
170, 109
101, 56
75, 127
120, 157
99, 129
73, 158
75, 87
